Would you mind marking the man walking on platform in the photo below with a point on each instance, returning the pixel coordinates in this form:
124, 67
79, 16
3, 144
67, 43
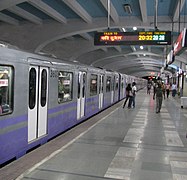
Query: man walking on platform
159, 97
174, 89
168, 89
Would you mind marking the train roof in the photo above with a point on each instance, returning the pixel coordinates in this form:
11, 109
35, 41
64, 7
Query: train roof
40, 59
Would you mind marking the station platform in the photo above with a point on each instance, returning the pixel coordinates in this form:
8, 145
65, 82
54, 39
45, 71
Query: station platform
130, 144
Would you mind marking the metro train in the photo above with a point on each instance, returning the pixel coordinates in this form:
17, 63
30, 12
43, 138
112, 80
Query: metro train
41, 97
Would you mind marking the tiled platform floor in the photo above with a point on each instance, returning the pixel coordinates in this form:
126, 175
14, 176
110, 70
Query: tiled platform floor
130, 144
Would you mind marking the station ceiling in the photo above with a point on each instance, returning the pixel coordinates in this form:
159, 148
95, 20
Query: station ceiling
65, 29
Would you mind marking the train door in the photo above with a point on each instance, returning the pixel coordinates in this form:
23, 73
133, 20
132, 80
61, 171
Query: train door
101, 81
38, 99
81, 94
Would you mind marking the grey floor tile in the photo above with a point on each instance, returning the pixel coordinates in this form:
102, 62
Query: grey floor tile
149, 166
151, 175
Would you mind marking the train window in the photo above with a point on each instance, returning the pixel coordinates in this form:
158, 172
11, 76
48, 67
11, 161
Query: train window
79, 85
93, 85
6, 89
65, 86
101, 80
84, 85
108, 84
102, 84
32, 88
122, 84
43, 87
117, 81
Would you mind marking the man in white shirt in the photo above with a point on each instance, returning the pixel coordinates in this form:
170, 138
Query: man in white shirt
134, 90
174, 89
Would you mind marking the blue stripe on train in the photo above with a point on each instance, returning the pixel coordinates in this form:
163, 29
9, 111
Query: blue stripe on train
15, 143
12, 121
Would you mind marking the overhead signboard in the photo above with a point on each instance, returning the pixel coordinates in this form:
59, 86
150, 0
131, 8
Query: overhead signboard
180, 43
133, 38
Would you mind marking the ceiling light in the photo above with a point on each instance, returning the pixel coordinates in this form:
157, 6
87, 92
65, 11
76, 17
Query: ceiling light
134, 28
144, 54
141, 47
127, 8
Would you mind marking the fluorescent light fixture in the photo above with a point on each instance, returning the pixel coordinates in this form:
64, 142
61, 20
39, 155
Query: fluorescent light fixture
134, 48
123, 29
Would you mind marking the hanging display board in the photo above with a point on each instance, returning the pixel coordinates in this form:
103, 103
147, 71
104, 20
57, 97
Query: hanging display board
133, 38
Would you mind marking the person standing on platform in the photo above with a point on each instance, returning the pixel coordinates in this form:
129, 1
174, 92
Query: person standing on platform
167, 89
128, 91
130, 99
164, 90
174, 89
134, 90
159, 97
154, 90
148, 88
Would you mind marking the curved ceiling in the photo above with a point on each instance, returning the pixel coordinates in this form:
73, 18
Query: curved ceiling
65, 29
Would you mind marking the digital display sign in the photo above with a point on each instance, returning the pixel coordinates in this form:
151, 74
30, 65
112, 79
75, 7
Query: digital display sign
133, 38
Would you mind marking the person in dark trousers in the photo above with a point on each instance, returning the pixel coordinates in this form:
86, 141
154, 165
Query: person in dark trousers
148, 88
154, 90
128, 90
164, 90
168, 89
134, 90
130, 99
159, 97
174, 89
